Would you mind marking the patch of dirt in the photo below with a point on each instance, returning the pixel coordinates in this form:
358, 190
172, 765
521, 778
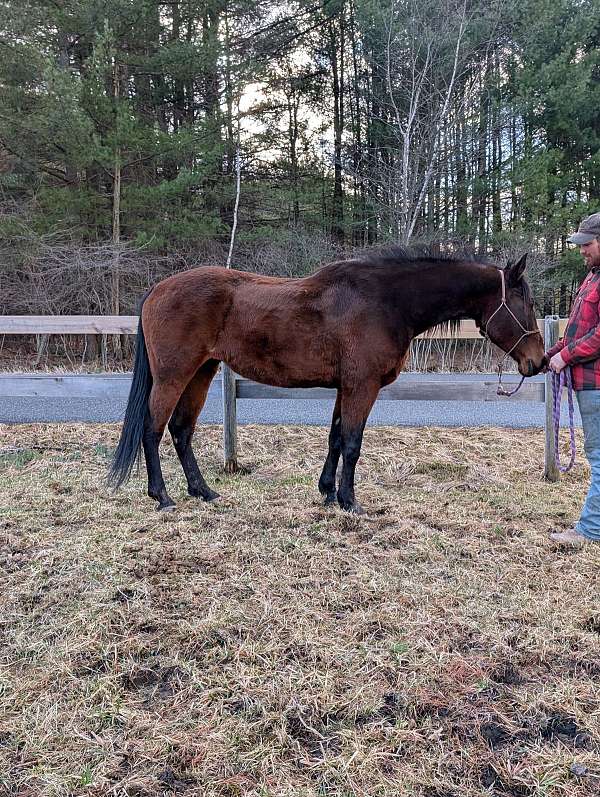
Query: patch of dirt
494, 734
592, 624
490, 779
506, 673
313, 733
175, 784
562, 728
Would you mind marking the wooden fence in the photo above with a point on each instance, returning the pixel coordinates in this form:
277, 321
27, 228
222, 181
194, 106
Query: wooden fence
479, 387
127, 325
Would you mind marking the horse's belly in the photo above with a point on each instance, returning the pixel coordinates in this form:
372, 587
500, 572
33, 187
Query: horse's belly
281, 375
275, 349
282, 368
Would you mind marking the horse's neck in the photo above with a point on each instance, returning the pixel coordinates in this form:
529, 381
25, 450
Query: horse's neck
460, 290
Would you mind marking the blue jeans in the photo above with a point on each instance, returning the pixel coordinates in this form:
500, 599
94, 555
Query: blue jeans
589, 407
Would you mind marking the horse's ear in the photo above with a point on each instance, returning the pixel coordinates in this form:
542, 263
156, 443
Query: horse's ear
515, 271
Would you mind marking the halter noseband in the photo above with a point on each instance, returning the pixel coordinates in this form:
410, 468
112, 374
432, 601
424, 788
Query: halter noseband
501, 389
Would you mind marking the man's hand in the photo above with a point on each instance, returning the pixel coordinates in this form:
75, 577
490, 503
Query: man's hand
557, 363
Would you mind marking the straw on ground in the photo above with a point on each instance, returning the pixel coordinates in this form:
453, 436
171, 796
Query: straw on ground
439, 646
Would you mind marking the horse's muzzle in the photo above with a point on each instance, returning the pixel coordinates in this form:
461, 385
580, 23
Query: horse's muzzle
531, 369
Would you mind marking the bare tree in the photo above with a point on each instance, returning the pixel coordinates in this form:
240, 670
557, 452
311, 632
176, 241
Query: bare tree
426, 60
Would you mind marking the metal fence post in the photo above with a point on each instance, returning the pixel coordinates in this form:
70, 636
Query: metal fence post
229, 420
551, 472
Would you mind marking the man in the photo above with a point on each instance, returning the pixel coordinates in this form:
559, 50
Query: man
580, 349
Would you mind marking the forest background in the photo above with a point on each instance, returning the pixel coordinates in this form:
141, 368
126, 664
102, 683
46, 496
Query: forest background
352, 123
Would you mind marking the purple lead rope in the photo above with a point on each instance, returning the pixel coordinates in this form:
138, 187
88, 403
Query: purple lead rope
563, 379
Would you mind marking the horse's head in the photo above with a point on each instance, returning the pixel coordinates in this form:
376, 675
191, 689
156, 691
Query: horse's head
509, 320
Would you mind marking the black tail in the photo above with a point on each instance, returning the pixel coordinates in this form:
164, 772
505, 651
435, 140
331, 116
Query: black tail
129, 447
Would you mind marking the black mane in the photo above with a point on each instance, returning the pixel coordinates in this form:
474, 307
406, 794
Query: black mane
399, 255
390, 258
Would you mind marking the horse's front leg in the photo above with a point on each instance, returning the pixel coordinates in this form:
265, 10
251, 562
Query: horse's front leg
328, 474
355, 406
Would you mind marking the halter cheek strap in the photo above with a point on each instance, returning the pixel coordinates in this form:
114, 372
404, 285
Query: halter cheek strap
502, 390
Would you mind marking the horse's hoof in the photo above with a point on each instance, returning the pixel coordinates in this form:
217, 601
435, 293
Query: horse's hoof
204, 495
353, 508
330, 499
164, 509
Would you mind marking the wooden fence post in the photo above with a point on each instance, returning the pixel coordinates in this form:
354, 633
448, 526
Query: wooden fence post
229, 386
229, 419
41, 348
551, 472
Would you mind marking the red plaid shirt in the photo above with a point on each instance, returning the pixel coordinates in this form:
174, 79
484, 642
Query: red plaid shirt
580, 345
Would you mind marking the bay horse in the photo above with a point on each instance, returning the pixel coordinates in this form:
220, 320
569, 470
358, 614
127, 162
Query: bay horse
347, 326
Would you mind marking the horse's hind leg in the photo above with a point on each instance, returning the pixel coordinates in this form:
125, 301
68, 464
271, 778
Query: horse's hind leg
327, 480
182, 424
162, 401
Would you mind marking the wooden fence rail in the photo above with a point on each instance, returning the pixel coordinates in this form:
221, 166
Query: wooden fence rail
127, 325
408, 387
478, 387
68, 325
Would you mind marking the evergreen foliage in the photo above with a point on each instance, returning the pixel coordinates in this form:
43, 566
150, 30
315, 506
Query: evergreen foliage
361, 121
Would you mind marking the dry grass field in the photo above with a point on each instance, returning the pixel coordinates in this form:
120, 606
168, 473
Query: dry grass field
439, 646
